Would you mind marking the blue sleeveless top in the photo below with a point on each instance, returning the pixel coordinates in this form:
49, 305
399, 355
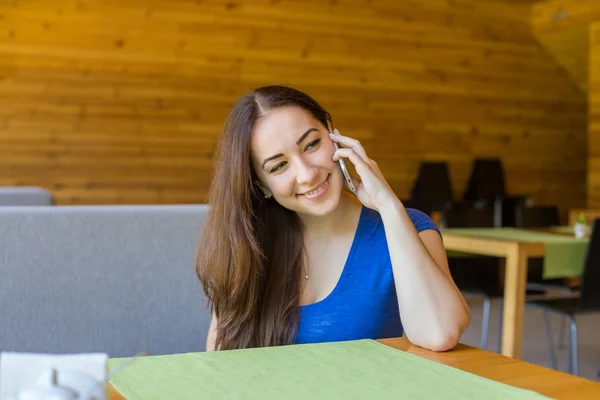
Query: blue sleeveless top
363, 304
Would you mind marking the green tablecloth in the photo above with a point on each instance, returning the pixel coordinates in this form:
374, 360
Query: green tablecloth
565, 255
361, 369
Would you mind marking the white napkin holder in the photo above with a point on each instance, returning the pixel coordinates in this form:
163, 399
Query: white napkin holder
30, 376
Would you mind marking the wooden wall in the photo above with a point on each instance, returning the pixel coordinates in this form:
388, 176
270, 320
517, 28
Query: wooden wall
117, 102
593, 199
562, 28
569, 30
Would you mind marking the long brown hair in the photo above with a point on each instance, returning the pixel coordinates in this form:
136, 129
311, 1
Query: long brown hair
251, 253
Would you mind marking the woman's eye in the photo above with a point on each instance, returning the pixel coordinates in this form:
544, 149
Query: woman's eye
277, 167
312, 144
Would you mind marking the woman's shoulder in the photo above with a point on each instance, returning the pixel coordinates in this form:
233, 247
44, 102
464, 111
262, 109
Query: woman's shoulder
420, 220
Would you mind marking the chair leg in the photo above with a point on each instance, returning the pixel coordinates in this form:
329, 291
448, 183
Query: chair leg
500, 326
549, 336
574, 362
561, 332
485, 323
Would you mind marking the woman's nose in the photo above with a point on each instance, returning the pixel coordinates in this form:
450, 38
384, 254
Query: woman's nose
305, 172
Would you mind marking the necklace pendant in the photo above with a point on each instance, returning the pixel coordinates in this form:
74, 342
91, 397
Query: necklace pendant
306, 277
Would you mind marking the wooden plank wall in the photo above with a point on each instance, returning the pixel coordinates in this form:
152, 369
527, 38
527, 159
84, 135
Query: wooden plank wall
568, 29
593, 198
112, 101
562, 28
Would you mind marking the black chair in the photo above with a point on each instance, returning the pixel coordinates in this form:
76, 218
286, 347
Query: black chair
537, 216
432, 190
486, 180
464, 217
507, 208
588, 300
487, 189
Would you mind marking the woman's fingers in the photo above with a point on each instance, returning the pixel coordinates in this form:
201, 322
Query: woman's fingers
351, 155
362, 168
351, 143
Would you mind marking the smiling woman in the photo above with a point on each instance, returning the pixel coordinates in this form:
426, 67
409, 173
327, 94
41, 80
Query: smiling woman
302, 170
288, 256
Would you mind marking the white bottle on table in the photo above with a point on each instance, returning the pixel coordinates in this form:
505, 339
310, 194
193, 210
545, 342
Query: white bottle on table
580, 227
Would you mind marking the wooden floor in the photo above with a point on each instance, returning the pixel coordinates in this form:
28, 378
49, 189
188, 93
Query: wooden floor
535, 346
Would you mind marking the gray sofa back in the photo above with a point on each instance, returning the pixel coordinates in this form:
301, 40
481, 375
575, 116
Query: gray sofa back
114, 279
25, 196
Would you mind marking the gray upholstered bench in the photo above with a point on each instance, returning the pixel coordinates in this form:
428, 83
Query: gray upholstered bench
114, 279
25, 196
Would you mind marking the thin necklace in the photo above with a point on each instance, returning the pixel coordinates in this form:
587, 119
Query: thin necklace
306, 271
306, 275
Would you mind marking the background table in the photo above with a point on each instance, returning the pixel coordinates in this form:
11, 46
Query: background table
516, 246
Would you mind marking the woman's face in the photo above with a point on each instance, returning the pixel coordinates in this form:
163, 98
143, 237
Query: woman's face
291, 154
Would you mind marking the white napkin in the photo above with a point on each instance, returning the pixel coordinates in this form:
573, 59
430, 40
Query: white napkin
22, 371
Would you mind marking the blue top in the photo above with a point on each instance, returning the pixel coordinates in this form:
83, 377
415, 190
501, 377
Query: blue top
363, 304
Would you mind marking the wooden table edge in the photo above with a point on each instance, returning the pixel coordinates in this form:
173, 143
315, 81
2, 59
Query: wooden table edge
545, 381
490, 246
511, 371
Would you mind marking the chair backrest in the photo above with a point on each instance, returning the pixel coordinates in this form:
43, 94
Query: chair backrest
25, 196
468, 218
537, 216
486, 180
114, 279
432, 188
590, 278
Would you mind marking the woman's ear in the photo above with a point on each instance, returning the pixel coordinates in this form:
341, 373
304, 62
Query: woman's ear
265, 191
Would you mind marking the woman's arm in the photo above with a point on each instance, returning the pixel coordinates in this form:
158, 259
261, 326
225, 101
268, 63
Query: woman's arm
433, 311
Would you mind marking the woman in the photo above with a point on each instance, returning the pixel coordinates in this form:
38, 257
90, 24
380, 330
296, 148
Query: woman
287, 256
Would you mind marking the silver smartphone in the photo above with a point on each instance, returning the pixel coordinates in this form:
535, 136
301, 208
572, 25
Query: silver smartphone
342, 164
